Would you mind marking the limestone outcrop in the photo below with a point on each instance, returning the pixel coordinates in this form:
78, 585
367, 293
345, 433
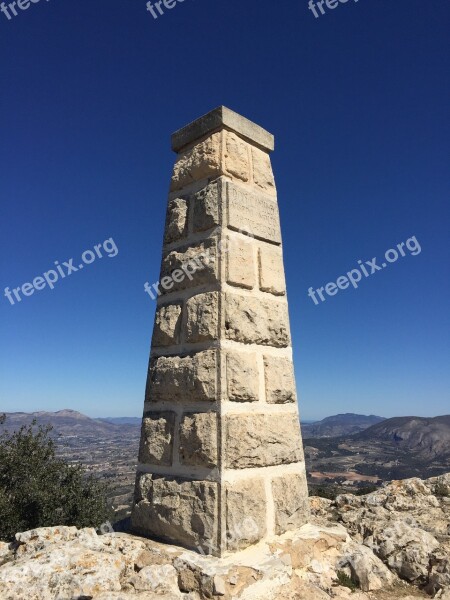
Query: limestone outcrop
393, 543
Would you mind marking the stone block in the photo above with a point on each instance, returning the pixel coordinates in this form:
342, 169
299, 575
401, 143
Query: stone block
262, 171
240, 263
206, 207
251, 320
242, 377
253, 213
176, 220
157, 438
279, 379
202, 320
237, 156
258, 440
246, 506
290, 497
176, 510
219, 118
166, 331
190, 266
190, 378
271, 270
198, 440
201, 161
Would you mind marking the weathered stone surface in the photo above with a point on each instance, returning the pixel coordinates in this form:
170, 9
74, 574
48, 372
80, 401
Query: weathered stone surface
262, 171
271, 270
253, 213
202, 161
279, 379
256, 320
176, 510
240, 263
191, 378
176, 220
366, 569
290, 499
189, 267
246, 504
202, 322
258, 440
198, 439
242, 377
405, 523
166, 331
157, 438
61, 562
237, 156
219, 118
406, 550
206, 207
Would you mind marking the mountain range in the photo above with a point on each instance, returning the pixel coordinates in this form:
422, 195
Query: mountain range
337, 425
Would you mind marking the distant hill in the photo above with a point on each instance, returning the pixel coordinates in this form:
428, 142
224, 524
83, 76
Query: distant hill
122, 420
66, 423
427, 438
339, 425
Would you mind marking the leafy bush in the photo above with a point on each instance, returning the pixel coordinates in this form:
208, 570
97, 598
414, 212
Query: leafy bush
39, 490
346, 581
441, 490
368, 489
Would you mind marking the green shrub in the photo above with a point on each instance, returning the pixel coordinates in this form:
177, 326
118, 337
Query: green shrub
37, 489
346, 581
441, 490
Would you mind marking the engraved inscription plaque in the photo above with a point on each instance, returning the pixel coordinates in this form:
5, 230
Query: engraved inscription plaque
253, 213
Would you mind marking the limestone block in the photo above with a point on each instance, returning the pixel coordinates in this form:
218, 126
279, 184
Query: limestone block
183, 378
242, 377
157, 438
236, 156
176, 510
190, 266
202, 321
240, 263
201, 161
176, 220
258, 440
271, 270
166, 331
262, 171
279, 379
245, 513
290, 496
253, 213
206, 207
198, 439
256, 320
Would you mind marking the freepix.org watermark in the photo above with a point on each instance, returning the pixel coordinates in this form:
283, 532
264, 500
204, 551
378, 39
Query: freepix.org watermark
366, 269
317, 6
10, 9
49, 278
157, 9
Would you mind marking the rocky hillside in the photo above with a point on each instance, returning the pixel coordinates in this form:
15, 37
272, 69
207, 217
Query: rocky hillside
339, 425
428, 438
391, 544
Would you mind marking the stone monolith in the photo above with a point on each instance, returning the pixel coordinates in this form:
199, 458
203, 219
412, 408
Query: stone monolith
221, 463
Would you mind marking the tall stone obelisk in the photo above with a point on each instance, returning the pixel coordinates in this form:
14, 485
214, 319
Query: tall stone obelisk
221, 462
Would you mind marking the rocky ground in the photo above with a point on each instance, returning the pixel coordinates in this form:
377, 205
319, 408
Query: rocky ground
391, 544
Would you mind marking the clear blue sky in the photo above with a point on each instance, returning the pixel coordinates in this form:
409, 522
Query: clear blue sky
357, 99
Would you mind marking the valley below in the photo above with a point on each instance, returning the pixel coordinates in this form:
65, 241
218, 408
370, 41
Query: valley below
351, 462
